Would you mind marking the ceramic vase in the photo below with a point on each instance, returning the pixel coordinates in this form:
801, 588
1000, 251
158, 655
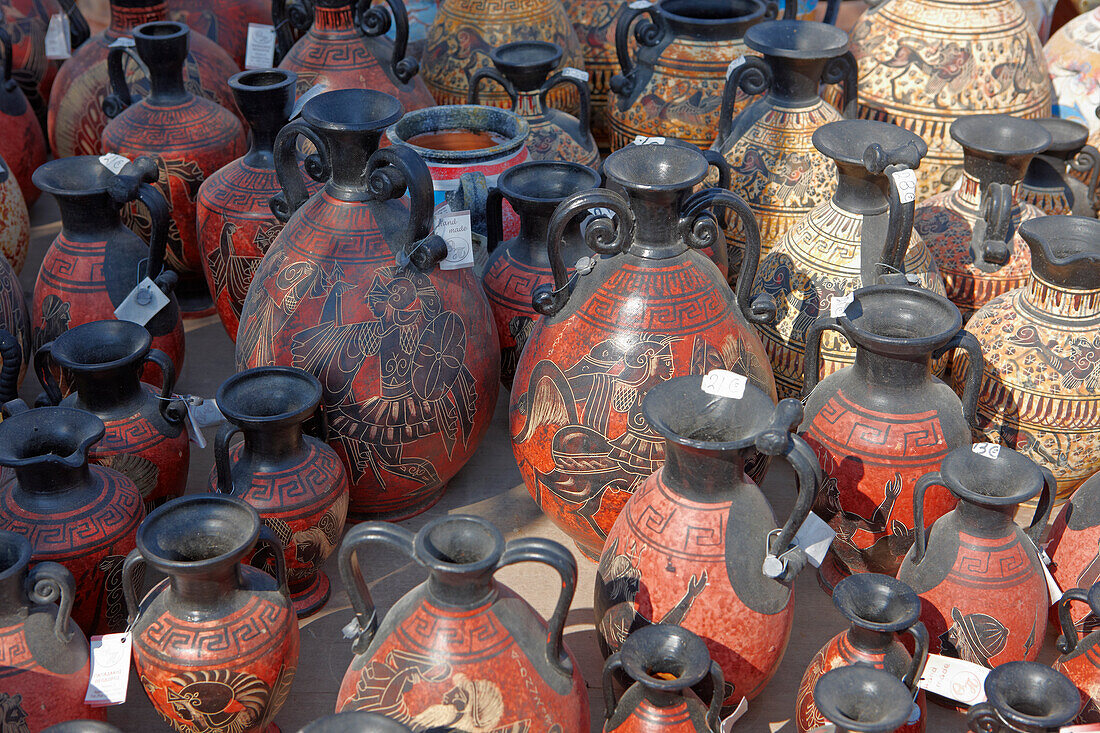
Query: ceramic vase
26, 21
15, 221
225, 22
1051, 182
861, 699
1073, 59
1024, 697
23, 148
1074, 548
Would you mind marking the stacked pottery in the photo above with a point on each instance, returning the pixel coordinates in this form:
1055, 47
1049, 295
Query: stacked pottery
1024, 697
922, 64
983, 593
77, 119
858, 236
216, 643
861, 699
879, 425
15, 221
663, 662
717, 564
1080, 660
295, 481
188, 137
1073, 57
79, 515
1050, 184
973, 230
225, 22
26, 21
462, 650
518, 266
1039, 391
146, 439
350, 291
768, 145
621, 324
45, 654
522, 68
1074, 547
23, 146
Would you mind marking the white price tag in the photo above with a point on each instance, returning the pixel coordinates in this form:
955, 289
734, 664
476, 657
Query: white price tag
143, 302
457, 231
737, 714
204, 411
989, 450
122, 42
309, 94
58, 44
643, 140
570, 72
110, 669
113, 162
814, 537
1083, 728
734, 64
640, 5
906, 181
724, 383
260, 46
1053, 588
955, 679
839, 304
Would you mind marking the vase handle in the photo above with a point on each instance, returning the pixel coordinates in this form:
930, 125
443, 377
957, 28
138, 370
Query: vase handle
473, 93
374, 21
11, 351
170, 409
920, 546
548, 552
990, 243
79, 30
363, 627
843, 70
294, 191
1047, 496
983, 718
287, 18
278, 554
43, 361
648, 34
494, 219
752, 77
393, 171
223, 471
811, 356
136, 182
48, 582
584, 93
1067, 642
920, 655
717, 695
119, 96
1087, 161
613, 664
898, 166
133, 564
966, 341
604, 236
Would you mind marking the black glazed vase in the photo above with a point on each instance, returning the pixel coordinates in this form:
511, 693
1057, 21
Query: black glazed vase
862, 699
1024, 697
1062, 179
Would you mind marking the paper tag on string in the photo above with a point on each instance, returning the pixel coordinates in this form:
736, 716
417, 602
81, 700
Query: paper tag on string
906, 181
110, 674
989, 450
724, 383
456, 230
143, 302
201, 413
1053, 589
307, 95
122, 42
58, 43
260, 46
955, 679
737, 714
815, 536
113, 162
839, 304
740, 60
1083, 728
571, 73
640, 5
643, 140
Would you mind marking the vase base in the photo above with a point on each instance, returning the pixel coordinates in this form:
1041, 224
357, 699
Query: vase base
399, 514
830, 573
312, 598
194, 297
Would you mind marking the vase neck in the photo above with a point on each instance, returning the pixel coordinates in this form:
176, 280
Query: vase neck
859, 191
127, 15
348, 151
795, 82
333, 17
461, 588
87, 214
50, 478
703, 475
985, 520
662, 698
528, 104
166, 84
892, 373
869, 641
270, 446
101, 390
656, 222
261, 153
1060, 301
13, 595
968, 196
203, 592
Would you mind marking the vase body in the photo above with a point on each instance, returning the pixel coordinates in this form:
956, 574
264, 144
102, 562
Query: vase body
295, 481
15, 320
45, 654
518, 266
923, 63
836, 249
335, 54
76, 117
701, 566
78, 515
216, 643
594, 23
404, 431
1052, 180
479, 655
15, 237
146, 440
1074, 548
1024, 697
96, 261
1072, 56
983, 595
23, 148
225, 22
1038, 386
1080, 659
26, 21
624, 327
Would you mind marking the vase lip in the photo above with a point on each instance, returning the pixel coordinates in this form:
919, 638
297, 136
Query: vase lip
117, 343
1008, 479
262, 80
161, 30
1035, 686
352, 110
459, 544
526, 56
1064, 250
656, 167
474, 117
717, 424
77, 175
676, 10
559, 180
266, 396
665, 649
863, 699
846, 141
15, 554
1067, 136
900, 320
33, 437
170, 536
797, 39
999, 135
877, 602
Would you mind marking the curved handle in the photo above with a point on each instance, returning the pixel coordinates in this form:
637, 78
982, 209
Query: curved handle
584, 115
268, 538
990, 244
920, 546
832, 10
721, 168
473, 94
393, 171
223, 471
135, 183
646, 35
920, 655
167, 383
374, 21
752, 77
494, 218
1067, 642
11, 351
48, 582
119, 96
43, 363
1087, 161
134, 561
613, 664
966, 341
548, 552
896, 164
79, 30
602, 235
287, 18
365, 624
295, 193
1034, 530
717, 695
843, 70
811, 355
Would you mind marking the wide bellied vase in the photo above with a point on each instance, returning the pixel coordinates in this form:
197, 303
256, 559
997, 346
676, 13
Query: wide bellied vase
1072, 56
188, 136
862, 699
983, 594
717, 563
27, 21
77, 119
663, 662
924, 63
146, 439
1080, 659
15, 220
344, 49
518, 266
854, 239
863, 422
523, 69
223, 21
973, 230
880, 609
23, 148
45, 654
295, 481
619, 325
96, 261
1063, 178
1074, 548
776, 168
79, 515
351, 291
1040, 393
215, 644
1024, 697
476, 654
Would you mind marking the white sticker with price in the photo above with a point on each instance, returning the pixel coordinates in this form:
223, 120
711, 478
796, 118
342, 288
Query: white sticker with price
110, 659
724, 383
122, 42
58, 42
201, 413
570, 72
737, 714
640, 5
643, 140
739, 61
955, 679
906, 181
815, 536
260, 46
113, 162
989, 450
457, 231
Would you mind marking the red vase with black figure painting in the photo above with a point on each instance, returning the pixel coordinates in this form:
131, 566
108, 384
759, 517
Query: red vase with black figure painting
23, 145
225, 22
1074, 548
